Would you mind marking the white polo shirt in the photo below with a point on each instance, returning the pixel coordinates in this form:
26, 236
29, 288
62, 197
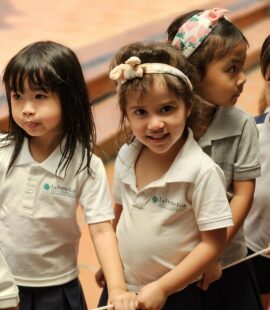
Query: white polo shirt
161, 223
39, 231
257, 223
8, 289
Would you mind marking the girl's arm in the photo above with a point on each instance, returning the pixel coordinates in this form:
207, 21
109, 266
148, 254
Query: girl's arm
99, 276
154, 295
240, 205
117, 213
106, 247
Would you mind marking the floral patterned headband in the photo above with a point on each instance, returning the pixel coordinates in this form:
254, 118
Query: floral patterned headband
195, 30
133, 68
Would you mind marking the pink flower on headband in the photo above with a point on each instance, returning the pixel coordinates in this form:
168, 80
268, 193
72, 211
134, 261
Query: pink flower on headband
191, 41
191, 24
202, 32
215, 14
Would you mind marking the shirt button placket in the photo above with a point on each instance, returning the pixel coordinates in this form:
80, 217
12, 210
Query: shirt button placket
28, 204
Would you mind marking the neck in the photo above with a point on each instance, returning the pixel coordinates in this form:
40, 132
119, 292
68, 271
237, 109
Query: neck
41, 149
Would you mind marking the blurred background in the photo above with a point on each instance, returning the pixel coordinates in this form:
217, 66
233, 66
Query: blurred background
95, 29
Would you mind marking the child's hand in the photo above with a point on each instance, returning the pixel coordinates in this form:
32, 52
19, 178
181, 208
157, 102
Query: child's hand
122, 300
151, 296
212, 274
100, 279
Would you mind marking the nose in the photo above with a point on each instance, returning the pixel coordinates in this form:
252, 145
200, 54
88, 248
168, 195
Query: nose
241, 79
155, 123
28, 109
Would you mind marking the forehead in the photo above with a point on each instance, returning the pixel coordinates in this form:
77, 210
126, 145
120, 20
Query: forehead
155, 91
236, 54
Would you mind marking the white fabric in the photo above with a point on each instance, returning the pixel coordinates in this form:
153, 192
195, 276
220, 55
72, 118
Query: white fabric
257, 224
39, 231
8, 289
160, 224
133, 68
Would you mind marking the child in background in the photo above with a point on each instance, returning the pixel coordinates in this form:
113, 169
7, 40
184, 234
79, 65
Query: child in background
171, 207
264, 101
47, 168
9, 297
217, 49
256, 227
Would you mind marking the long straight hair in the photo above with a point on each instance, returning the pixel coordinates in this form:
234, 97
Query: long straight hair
53, 67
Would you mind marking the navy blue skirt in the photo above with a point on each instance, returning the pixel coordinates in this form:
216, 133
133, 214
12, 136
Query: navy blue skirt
262, 269
237, 289
68, 296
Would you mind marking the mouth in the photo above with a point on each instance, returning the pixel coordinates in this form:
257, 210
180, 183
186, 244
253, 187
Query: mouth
237, 94
158, 137
31, 125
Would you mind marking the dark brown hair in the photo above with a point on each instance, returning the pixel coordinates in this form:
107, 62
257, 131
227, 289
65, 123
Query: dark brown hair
265, 63
158, 53
265, 56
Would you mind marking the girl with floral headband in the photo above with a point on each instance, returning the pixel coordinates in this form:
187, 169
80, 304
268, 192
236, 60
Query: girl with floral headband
170, 201
217, 49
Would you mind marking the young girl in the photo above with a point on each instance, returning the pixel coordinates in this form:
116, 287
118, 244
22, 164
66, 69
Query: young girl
170, 197
47, 168
218, 50
264, 101
256, 226
8, 290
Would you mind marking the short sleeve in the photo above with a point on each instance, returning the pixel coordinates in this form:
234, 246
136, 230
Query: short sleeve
8, 290
95, 198
210, 204
247, 164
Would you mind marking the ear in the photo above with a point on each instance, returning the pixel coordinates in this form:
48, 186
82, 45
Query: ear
267, 73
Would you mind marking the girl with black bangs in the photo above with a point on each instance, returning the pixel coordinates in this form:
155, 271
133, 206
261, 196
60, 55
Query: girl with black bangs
47, 168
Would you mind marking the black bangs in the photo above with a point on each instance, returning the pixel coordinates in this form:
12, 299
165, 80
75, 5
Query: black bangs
37, 75
40, 65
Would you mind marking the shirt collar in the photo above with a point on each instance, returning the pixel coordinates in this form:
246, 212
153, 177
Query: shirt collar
50, 164
226, 123
183, 169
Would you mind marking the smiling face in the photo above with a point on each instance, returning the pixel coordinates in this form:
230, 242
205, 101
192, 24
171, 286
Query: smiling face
37, 112
158, 118
224, 79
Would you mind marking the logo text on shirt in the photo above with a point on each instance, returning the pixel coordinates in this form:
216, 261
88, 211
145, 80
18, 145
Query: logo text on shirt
168, 204
60, 190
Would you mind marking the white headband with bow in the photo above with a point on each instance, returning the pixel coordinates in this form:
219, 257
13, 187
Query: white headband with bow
132, 68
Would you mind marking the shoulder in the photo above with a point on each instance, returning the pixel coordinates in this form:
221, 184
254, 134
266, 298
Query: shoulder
235, 116
128, 154
4, 141
6, 148
193, 162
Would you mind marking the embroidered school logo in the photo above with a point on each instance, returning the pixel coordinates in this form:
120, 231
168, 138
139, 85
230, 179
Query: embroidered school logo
59, 190
46, 186
154, 199
165, 203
